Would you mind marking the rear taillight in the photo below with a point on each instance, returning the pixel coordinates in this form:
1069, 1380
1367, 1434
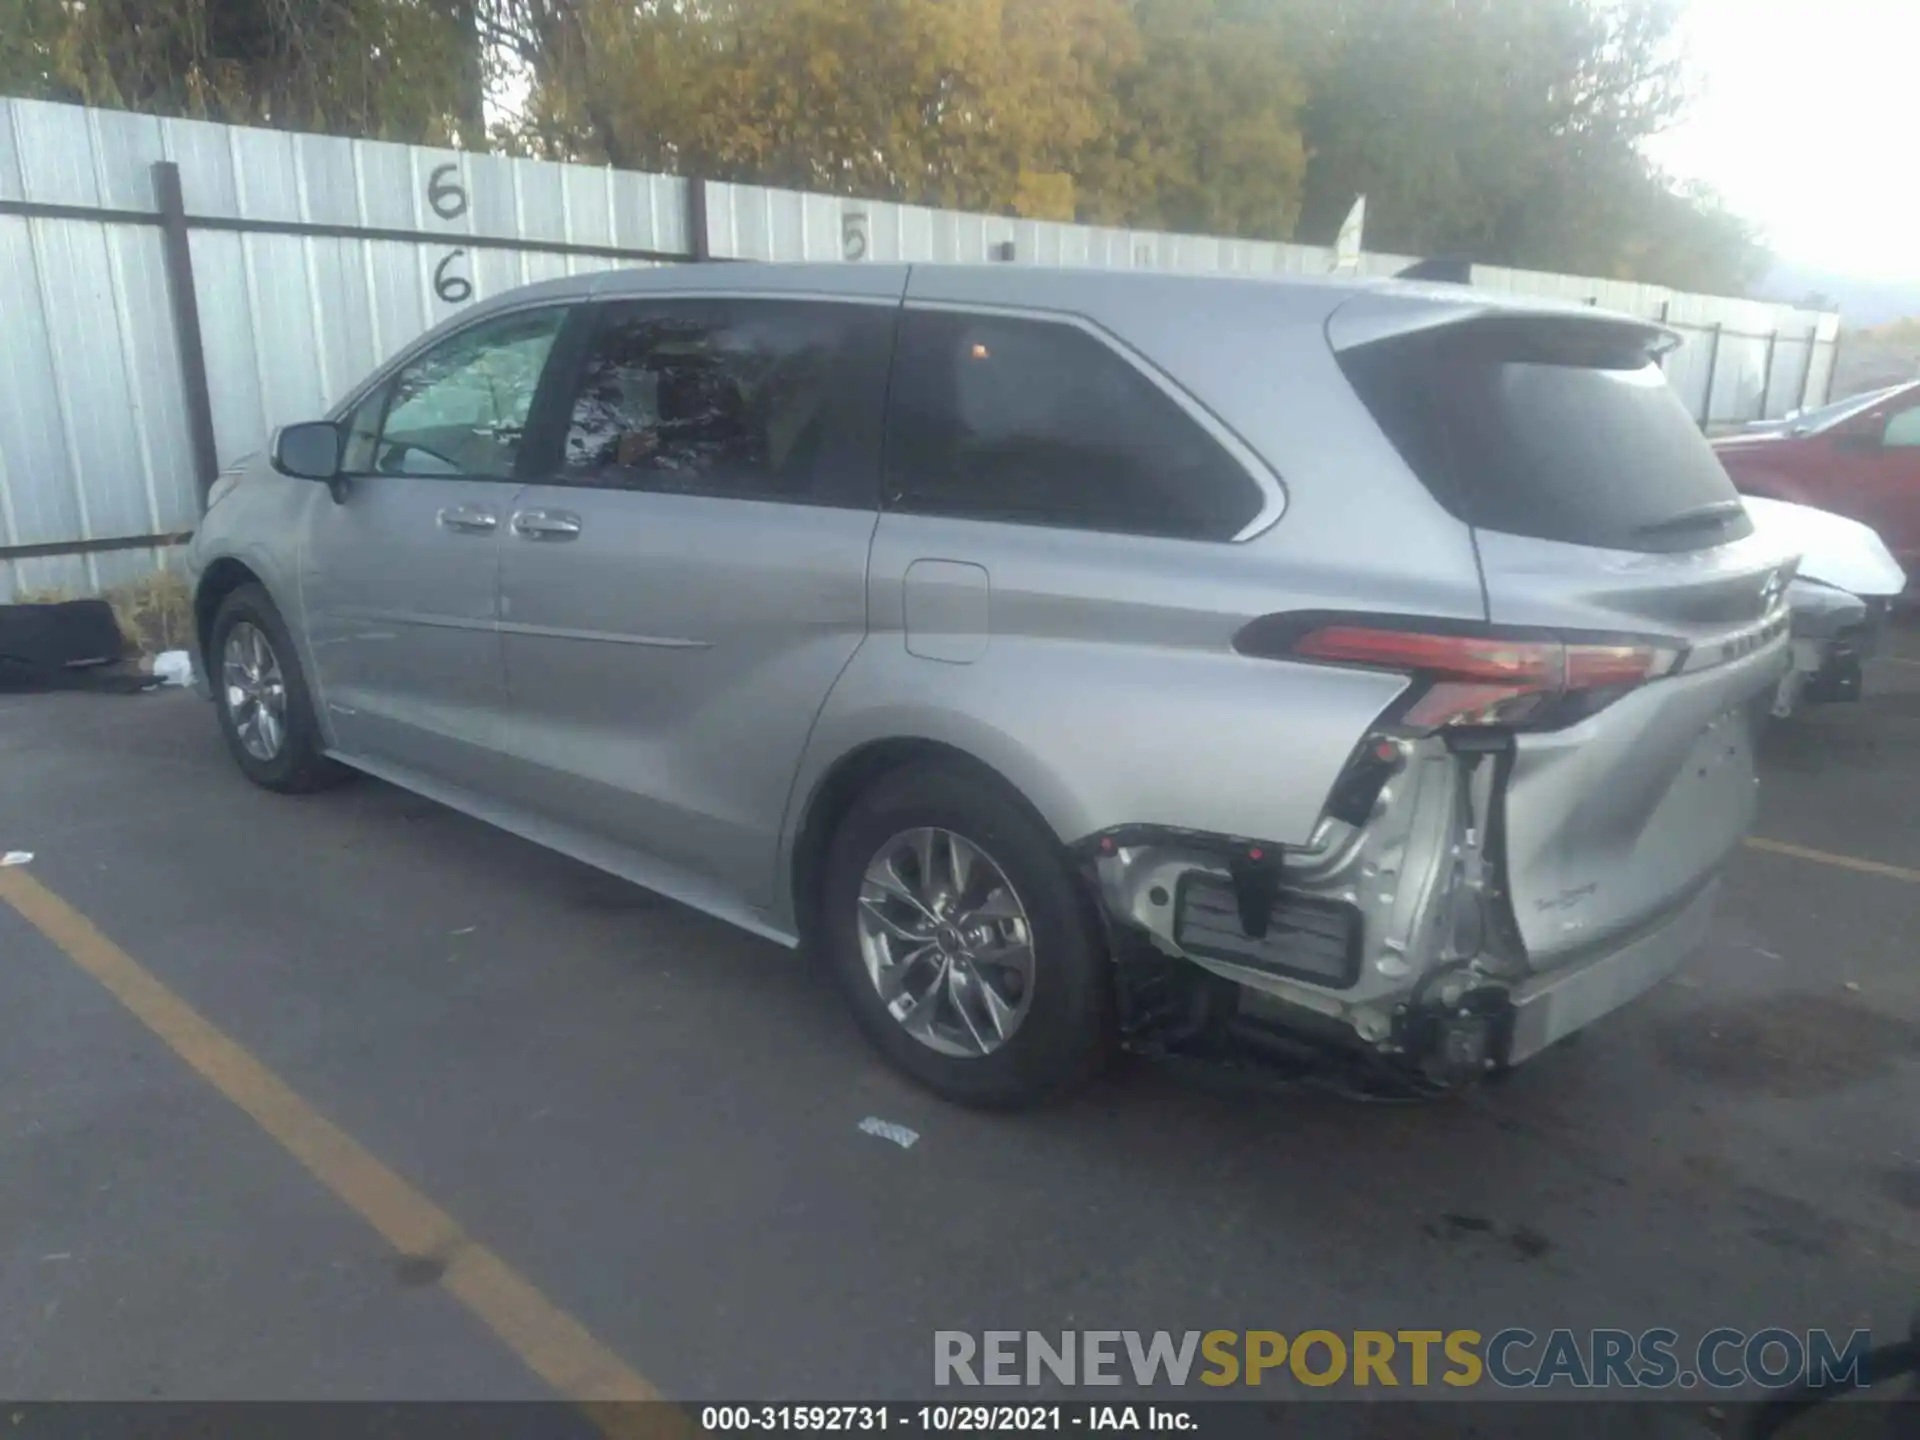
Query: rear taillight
1477, 677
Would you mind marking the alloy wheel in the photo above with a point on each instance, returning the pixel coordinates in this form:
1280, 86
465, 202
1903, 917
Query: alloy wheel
254, 690
946, 942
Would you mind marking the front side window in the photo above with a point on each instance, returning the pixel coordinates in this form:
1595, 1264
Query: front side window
1903, 429
461, 408
745, 399
1040, 423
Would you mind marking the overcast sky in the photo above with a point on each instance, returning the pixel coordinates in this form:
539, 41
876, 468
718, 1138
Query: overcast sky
1809, 123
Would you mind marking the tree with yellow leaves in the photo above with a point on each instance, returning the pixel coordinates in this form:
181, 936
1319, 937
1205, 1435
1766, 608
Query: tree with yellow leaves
1507, 130
1208, 136
982, 104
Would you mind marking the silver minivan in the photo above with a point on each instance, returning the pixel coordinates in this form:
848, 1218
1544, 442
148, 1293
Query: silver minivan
1069, 659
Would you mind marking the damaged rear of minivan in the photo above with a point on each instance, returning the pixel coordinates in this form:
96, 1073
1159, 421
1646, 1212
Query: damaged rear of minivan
1529, 835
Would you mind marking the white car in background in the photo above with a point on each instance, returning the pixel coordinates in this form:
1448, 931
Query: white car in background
1846, 584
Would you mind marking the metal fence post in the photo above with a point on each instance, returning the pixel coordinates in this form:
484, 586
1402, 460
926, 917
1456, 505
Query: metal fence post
185, 303
1766, 372
700, 245
1713, 364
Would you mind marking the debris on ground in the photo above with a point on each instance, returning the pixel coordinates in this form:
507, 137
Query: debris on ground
63, 644
173, 667
887, 1130
59, 646
17, 857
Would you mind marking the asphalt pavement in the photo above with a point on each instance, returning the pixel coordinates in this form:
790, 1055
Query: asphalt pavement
650, 1123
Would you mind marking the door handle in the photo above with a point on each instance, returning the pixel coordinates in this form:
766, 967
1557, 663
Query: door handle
546, 524
469, 519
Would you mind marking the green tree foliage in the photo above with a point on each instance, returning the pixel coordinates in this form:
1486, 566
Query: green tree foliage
1504, 131
399, 69
1684, 236
1182, 113
1207, 137
1509, 132
985, 104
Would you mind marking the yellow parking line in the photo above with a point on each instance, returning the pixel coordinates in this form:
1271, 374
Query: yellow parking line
1827, 857
553, 1345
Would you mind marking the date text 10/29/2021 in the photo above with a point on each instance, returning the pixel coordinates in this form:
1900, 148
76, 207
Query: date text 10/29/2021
938, 1419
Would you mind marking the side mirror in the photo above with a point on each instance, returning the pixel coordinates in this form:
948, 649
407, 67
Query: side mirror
309, 451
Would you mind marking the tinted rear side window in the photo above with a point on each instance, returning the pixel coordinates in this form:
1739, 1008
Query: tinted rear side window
1038, 422
1567, 433
743, 398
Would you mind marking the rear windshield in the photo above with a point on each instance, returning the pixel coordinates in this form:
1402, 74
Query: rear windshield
1563, 432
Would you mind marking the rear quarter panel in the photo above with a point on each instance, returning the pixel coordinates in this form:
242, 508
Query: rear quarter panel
1097, 673
1107, 689
1103, 683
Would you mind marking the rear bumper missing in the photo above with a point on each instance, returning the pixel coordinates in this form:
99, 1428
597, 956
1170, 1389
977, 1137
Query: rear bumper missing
1391, 932
1391, 908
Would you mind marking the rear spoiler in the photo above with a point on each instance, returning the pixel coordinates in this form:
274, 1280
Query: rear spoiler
1518, 324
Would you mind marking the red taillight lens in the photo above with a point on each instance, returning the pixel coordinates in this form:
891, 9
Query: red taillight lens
1594, 667
1488, 679
1458, 657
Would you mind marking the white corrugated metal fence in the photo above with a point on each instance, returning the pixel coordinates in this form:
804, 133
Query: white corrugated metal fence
314, 258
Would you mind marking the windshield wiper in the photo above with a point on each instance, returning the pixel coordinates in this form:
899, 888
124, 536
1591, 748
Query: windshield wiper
1716, 513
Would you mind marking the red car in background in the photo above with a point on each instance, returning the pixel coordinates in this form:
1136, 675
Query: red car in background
1858, 457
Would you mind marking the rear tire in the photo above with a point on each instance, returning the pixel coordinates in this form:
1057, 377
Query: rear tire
266, 710
1048, 1022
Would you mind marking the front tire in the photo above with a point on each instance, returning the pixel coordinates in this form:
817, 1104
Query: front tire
266, 709
964, 944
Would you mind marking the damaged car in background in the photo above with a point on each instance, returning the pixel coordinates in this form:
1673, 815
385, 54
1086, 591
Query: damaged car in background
1845, 587
1858, 457
1067, 659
